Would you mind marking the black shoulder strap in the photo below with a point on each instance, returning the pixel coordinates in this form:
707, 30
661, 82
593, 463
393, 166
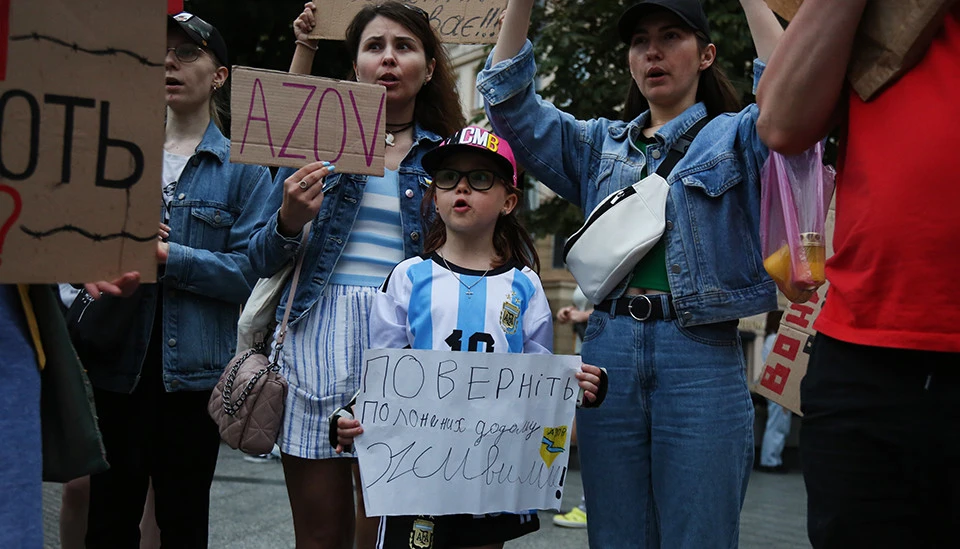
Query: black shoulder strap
680, 148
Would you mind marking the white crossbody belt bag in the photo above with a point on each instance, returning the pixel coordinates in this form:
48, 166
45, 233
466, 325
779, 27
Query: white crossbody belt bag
623, 227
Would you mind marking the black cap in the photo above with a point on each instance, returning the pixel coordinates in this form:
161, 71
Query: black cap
202, 33
690, 11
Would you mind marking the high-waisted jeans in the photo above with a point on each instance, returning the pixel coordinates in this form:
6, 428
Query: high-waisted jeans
666, 458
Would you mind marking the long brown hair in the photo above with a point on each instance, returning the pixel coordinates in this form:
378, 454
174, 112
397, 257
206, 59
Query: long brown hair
511, 240
714, 90
437, 106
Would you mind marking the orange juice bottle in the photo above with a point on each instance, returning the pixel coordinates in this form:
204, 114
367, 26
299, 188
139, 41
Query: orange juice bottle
816, 252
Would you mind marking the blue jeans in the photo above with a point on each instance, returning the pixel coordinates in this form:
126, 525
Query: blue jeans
775, 434
21, 517
666, 458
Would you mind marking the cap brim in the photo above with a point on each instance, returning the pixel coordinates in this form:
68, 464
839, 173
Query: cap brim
628, 21
433, 159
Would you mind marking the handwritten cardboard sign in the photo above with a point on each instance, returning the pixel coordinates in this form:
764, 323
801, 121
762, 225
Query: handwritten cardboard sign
452, 432
81, 139
456, 21
891, 39
282, 119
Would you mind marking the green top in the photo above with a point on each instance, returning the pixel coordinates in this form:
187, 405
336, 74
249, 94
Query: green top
651, 272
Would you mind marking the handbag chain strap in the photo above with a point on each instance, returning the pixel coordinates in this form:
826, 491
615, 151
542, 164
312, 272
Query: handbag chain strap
231, 408
680, 148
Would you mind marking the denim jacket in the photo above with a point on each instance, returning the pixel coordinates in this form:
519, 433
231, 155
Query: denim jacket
206, 279
269, 250
713, 207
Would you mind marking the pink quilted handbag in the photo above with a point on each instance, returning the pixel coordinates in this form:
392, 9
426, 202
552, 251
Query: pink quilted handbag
247, 403
251, 419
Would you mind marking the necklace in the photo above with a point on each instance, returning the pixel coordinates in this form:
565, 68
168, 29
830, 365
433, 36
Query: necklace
469, 292
389, 137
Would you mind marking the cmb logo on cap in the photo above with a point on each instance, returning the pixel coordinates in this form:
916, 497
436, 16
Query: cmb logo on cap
477, 137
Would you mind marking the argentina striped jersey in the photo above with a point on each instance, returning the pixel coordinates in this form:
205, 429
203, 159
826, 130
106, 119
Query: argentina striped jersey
423, 305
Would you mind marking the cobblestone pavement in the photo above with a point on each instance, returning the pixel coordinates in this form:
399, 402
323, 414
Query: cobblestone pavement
249, 510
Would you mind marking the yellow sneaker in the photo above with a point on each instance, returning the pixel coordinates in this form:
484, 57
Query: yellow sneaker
576, 518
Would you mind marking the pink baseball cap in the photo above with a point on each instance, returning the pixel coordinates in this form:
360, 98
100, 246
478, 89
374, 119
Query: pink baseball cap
474, 138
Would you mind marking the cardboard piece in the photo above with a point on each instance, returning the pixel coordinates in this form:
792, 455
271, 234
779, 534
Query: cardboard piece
892, 37
462, 21
81, 116
283, 119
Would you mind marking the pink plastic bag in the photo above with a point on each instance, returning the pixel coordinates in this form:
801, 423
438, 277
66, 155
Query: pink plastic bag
795, 196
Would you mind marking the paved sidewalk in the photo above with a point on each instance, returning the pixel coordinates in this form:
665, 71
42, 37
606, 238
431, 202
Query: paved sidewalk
249, 510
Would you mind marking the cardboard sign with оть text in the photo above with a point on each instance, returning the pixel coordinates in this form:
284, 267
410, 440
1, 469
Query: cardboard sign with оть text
81, 139
283, 119
456, 21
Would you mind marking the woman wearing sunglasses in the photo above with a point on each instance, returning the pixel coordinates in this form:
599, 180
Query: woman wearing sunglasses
362, 227
151, 394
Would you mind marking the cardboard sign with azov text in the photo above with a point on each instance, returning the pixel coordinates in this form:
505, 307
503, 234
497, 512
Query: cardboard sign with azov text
282, 119
81, 137
456, 21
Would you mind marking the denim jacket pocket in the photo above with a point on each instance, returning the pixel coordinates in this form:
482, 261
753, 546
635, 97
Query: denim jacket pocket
615, 174
714, 177
213, 231
215, 217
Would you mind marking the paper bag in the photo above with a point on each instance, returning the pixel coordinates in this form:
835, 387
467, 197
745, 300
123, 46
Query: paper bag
892, 38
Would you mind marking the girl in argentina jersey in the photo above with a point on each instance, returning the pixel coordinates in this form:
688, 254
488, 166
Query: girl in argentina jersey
474, 289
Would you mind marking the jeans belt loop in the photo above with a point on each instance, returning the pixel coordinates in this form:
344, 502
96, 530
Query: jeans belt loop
649, 307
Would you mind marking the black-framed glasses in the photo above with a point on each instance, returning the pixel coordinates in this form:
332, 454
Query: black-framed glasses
186, 52
479, 180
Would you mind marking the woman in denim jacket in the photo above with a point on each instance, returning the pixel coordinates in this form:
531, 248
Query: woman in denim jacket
667, 462
151, 395
362, 227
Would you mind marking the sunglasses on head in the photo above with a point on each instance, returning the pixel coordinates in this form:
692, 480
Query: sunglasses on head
418, 10
479, 180
186, 52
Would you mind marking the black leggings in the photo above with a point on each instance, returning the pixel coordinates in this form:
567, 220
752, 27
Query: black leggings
168, 437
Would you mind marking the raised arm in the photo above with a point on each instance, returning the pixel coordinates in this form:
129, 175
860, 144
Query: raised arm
799, 93
513, 31
306, 48
764, 27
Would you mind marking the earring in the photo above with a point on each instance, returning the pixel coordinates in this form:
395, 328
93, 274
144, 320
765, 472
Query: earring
216, 86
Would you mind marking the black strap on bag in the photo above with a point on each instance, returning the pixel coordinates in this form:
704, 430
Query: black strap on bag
680, 148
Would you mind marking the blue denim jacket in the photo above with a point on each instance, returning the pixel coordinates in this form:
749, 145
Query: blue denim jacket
269, 250
713, 208
207, 276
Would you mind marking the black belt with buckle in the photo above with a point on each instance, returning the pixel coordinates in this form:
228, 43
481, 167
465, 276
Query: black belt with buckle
641, 307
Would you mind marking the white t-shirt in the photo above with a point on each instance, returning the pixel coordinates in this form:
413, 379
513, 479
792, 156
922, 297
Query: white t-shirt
173, 165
